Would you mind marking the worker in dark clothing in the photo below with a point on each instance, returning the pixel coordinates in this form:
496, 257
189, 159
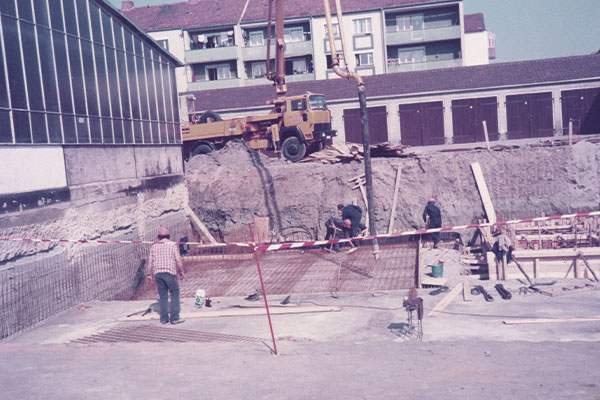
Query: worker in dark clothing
433, 219
354, 214
334, 226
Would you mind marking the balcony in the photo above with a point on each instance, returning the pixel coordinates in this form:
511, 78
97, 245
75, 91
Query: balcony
211, 55
421, 66
422, 35
209, 85
292, 49
288, 79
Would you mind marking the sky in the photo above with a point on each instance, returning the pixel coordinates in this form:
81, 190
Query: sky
525, 29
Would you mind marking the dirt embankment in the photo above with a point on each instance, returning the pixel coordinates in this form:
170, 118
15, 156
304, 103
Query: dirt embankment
233, 186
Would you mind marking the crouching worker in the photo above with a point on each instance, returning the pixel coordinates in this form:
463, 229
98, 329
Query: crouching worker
164, 264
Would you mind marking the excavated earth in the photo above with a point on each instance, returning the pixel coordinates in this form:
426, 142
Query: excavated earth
228, 189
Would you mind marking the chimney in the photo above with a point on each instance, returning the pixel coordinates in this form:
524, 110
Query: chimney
127, 5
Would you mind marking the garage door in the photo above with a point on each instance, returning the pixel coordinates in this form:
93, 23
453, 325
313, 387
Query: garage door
422, 124
529, 115
468, 116
583, 107
378, 132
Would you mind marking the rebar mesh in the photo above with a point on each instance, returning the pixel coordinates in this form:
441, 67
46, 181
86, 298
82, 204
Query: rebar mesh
33, 289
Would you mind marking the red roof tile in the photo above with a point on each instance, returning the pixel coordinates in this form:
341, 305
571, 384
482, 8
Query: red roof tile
407, 83
207, 13
474, 23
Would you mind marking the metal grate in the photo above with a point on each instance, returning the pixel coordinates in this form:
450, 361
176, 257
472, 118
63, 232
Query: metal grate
301, 271
157, 334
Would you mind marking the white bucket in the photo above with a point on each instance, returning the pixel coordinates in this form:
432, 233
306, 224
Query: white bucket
200, 295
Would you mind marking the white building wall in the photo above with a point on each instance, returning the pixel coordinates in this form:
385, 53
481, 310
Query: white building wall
475, 51
177, 41
45, 169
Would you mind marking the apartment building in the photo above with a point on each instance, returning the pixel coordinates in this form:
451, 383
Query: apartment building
223, 44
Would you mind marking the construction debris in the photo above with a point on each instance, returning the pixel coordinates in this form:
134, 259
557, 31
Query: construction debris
346, 152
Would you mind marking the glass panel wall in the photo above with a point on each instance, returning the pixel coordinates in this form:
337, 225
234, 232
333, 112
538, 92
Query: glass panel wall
74, 72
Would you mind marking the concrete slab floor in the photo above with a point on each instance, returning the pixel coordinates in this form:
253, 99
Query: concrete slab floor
466, 352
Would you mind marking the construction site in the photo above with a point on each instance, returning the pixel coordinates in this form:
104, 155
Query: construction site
337, 316
452, 252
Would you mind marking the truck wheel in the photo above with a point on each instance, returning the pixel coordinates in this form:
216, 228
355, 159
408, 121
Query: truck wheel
201, 149
293, 149
209, 114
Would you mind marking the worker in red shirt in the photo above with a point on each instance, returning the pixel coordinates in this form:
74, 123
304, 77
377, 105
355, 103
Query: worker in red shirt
164, 264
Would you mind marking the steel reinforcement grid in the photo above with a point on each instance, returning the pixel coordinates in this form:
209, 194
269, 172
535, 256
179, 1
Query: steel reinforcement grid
48, 278
38, 287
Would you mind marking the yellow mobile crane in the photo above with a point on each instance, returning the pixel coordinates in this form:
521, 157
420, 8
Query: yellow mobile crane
296, 124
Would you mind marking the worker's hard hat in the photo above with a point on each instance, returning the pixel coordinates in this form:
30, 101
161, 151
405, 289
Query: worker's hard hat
431, 201
163, 232
347, 223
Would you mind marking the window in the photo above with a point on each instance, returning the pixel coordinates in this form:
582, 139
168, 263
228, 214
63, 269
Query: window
340, 59
257, 39
293, 34
364, 59
163, 43
259, 69
362, 26
298, 105
212, 40
409, 22
411, 56
299, 67
317, 103
218, 72
336, 30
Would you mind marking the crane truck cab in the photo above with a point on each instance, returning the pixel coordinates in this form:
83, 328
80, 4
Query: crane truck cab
296, 125
306, 125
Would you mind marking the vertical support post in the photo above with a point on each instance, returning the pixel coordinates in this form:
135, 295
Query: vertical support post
485, 134
362, 99
395, 200
262, 286
570, 132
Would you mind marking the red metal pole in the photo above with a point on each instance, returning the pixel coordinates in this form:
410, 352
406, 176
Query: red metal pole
262, 285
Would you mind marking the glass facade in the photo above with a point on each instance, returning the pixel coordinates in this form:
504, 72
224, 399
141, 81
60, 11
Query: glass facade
73, 72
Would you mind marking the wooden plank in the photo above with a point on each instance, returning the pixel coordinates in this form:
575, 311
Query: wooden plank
549, 320
467, 296
239, 312
218, 257
445, 301
557, 253
196, 221
483, 192
427, 280
485, 134
261, 230
395, 200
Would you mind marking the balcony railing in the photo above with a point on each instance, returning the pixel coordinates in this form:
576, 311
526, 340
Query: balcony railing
218, 84
211, 55
288, 79
422, 35
292, 49
421, 66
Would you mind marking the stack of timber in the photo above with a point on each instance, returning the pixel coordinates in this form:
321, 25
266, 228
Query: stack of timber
346, 152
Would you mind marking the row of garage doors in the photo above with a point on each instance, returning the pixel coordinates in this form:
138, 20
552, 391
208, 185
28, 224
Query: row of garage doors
528, 116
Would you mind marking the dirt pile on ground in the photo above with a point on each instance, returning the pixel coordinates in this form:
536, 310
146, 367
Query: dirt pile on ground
233, 186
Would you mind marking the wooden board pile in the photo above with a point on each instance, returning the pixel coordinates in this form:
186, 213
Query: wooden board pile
346, 152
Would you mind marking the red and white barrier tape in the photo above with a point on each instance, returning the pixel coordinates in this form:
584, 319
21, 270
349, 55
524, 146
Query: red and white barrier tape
297, 245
